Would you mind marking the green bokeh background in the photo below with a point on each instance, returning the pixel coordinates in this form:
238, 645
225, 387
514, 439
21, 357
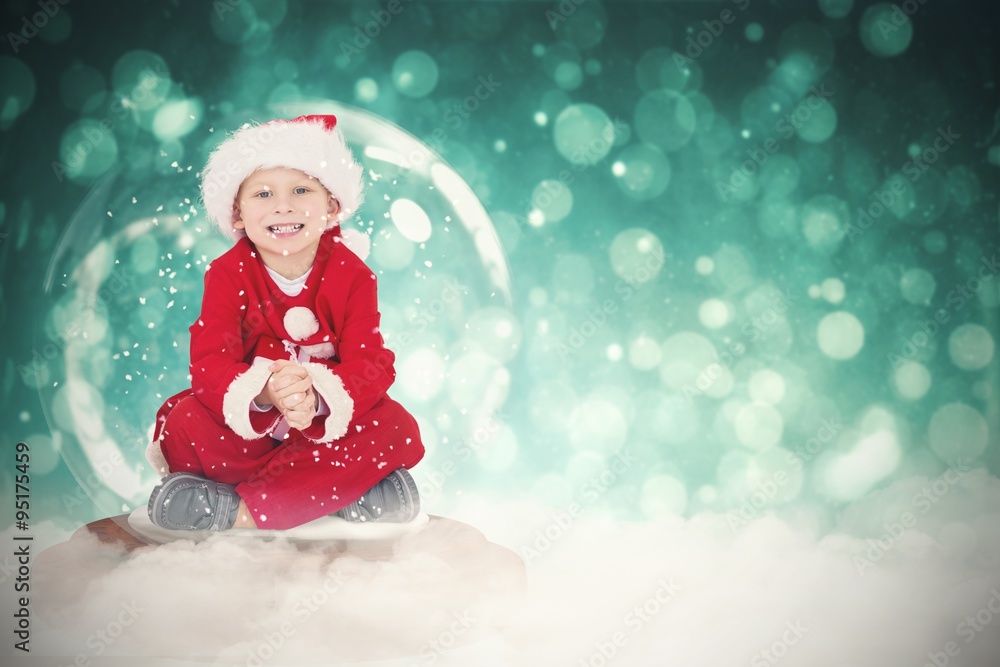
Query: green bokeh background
716, 236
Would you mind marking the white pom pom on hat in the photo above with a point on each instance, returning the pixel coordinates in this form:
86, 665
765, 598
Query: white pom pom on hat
311, 144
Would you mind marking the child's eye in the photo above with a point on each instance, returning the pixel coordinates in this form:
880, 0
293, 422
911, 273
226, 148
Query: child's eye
263, 194
301, 190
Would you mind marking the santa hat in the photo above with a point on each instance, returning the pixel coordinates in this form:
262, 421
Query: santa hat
311, 144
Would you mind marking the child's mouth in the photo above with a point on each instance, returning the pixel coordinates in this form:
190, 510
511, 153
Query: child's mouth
281, 231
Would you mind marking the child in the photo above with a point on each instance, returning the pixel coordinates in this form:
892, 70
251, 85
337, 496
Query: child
287, 418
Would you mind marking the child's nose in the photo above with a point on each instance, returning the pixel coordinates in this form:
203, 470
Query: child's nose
282, 203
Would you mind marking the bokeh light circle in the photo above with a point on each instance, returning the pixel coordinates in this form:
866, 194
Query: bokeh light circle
958, 433
637, 255
885, 30
18, 90
840, 335
583, 134
644, 171
971, 347
414, 73
666, 119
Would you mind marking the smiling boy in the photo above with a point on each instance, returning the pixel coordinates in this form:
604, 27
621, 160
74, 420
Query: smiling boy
287, 418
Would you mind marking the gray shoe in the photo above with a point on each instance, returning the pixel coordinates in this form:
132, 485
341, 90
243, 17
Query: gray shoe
392, 500
182, 501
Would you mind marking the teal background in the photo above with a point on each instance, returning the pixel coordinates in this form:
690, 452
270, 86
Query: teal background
669, 261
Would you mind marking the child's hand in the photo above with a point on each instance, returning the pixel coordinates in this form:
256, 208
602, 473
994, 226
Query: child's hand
290, 390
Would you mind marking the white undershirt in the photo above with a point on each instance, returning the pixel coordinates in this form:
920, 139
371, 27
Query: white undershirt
289, 287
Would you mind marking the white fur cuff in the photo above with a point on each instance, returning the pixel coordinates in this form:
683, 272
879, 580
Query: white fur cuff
239, 396
156, 459
341, 405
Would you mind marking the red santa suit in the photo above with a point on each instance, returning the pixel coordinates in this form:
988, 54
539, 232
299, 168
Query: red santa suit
214, 429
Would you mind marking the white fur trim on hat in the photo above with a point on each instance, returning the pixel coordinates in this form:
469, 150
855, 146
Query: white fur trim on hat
331, 388
306, 145
357, 242
300, 322
242, 390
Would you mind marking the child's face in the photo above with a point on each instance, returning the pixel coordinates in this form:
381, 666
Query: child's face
284, 212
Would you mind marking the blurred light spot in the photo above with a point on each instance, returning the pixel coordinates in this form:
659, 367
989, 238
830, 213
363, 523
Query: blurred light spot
18, 90
583, 134
885, 30
714, 313
176, 118
665, 119
970, 347
833, 290
366, 90
597, 425
643, 171
410, 219
414, 73
958, 433
840, 335
758, 426
644, 353
704, 265
421, 374
554, 199
912, 380
637, 256
917, 286
767, 386
836, 9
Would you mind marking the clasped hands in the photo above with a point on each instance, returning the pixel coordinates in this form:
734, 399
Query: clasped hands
290, 390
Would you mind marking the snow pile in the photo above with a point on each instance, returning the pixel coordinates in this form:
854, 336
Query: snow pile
881, 589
